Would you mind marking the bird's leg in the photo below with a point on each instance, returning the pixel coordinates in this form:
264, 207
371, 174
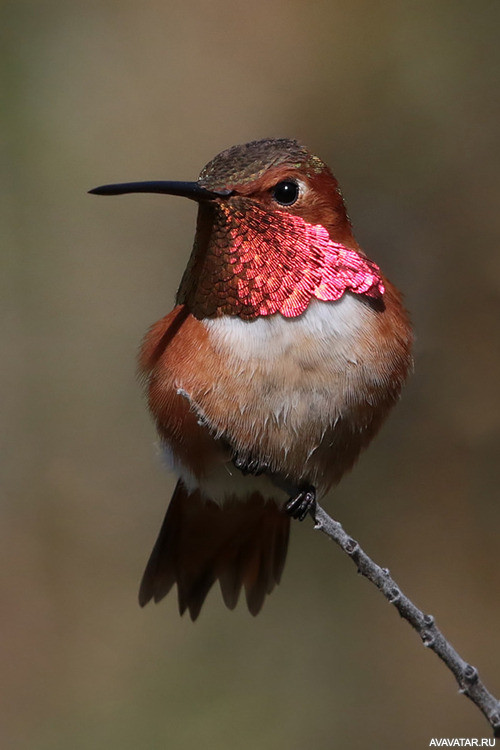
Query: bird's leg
301, 504
249, 465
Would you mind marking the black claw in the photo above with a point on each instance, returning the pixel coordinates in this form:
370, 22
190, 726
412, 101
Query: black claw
250, 465
301, 504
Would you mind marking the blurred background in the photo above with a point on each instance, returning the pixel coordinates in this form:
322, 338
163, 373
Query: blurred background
401, 99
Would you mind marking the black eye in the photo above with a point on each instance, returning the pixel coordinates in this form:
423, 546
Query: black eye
286, 192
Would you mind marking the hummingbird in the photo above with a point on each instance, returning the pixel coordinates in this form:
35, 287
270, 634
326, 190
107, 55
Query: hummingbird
283, 355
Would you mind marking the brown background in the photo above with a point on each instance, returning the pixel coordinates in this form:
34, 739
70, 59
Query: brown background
402, 100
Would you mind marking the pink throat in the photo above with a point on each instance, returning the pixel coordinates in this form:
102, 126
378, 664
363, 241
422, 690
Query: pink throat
260, 263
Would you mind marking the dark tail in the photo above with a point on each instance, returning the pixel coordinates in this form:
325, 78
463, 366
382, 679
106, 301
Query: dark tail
242, 544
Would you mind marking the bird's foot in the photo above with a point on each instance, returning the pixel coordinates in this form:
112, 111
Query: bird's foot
248, 465
301, 504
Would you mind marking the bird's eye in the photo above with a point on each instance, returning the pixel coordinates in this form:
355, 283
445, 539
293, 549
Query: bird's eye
286, 192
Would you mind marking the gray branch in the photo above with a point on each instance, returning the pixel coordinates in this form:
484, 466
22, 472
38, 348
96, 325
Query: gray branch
466, 675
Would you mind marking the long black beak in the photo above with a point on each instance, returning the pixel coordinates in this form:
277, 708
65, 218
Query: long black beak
191, 190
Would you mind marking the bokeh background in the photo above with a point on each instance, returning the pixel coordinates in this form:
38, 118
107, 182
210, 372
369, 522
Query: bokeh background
402, 100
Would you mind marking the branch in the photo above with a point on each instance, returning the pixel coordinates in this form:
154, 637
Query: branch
466, 675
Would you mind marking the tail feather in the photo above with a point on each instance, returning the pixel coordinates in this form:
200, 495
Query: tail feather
242, 544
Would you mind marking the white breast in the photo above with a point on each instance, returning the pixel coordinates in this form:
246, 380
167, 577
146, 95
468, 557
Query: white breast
271, 337
297, 370
333, 329
291, 380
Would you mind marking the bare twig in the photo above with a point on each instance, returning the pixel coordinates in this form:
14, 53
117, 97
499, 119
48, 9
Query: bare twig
466, 675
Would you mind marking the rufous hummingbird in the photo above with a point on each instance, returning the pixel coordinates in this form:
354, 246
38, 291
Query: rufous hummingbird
280, 361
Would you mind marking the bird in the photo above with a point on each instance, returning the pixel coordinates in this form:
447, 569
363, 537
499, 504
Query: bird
283, 354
